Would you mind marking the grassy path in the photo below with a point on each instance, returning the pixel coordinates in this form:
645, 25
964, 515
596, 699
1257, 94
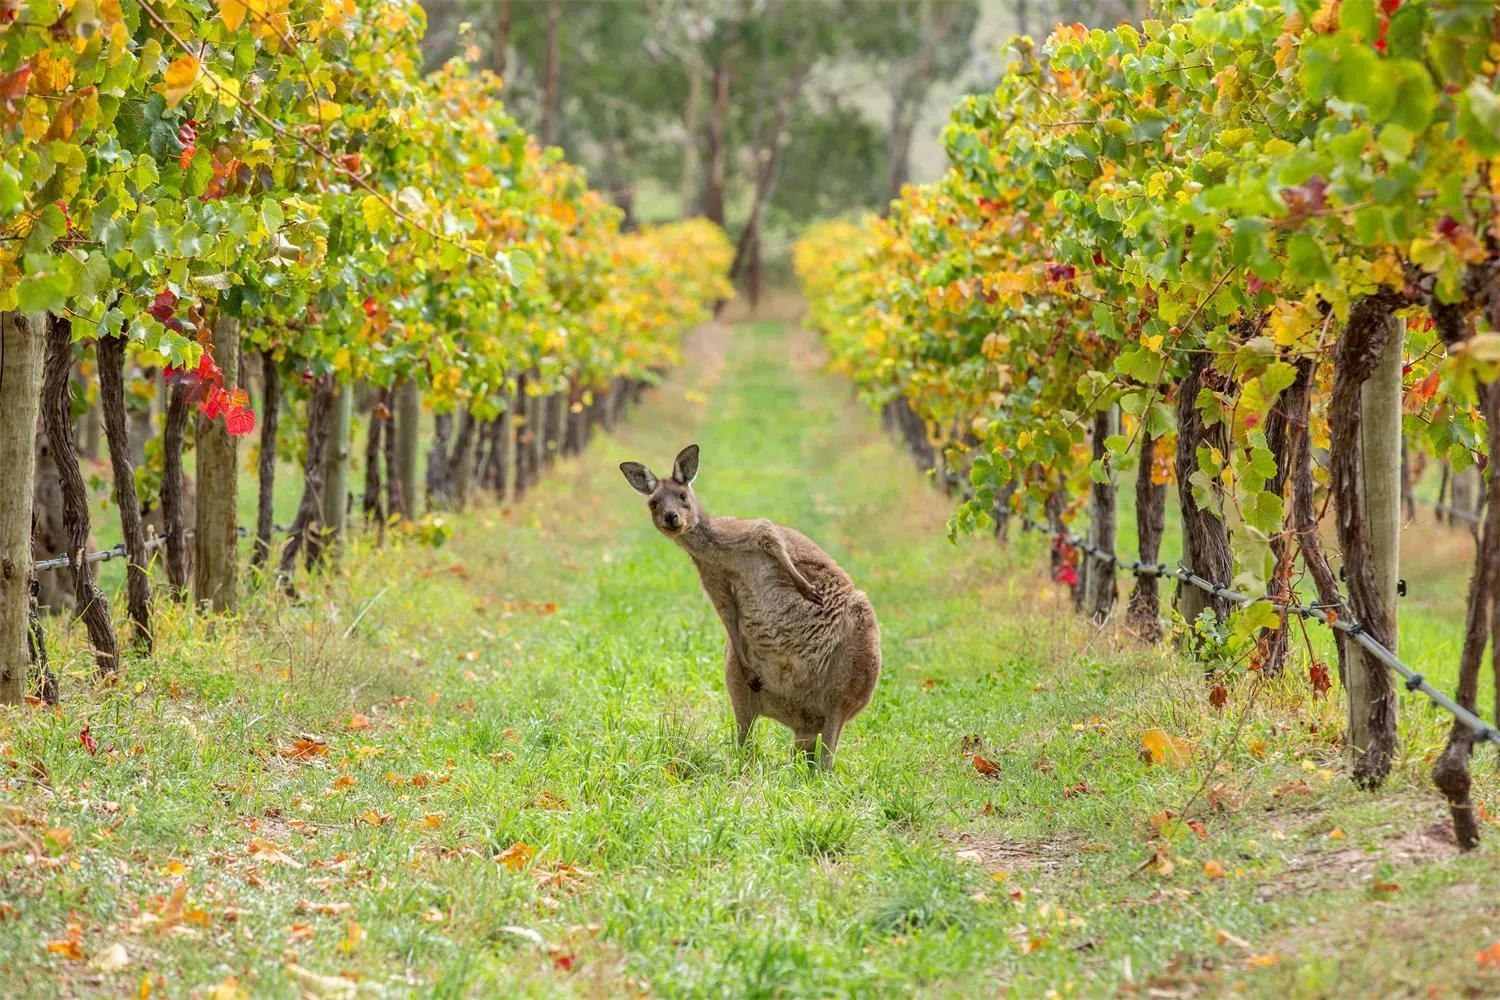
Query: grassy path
506, 767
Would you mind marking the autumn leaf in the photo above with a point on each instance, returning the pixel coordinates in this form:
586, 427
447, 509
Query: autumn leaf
353, 935
1213, 869
233, 13
375, 817
264, 850
305, 749
547, 800
1489, 958
357, 721
1261, 961
1163, 748
985, 766
515, 856
180, 78
70, 947
111, 959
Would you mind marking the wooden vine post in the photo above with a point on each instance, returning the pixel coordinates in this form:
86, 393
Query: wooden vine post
408, 433
21, 342
336, 474
1380, 449
215, 562
1101, 587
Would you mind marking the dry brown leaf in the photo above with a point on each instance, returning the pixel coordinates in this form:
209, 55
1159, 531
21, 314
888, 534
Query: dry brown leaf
515, 856
264, 850
358, 721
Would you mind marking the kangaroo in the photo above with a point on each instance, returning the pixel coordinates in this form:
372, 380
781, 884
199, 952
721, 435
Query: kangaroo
801, 643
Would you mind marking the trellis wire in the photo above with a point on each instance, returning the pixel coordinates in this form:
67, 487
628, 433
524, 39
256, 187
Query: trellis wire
1483, 731
118, 552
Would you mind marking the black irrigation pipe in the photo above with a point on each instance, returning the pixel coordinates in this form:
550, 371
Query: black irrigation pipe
118, 552
1483, 731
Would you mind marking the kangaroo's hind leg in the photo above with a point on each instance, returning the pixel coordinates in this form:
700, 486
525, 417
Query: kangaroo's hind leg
828, 741
741, 698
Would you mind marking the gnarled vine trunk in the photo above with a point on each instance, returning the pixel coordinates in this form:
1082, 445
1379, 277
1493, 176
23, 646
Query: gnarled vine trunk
1205, 536
90, 603
173, 501
265, 511
110, 353
1143, 613
1102, 590
1451, 771
371, 503
306, 531
408, 429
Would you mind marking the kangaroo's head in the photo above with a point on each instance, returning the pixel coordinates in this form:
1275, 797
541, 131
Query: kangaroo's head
674, 507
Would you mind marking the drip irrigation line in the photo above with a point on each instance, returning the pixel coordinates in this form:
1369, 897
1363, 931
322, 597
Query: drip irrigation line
1483, 731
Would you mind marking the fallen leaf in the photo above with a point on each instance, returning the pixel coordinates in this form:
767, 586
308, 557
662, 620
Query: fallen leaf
547, 800
1225, 937
515, 856
68, 948
375, 817
264, 850
353, 935
357, 721
111, 959
1163, 748
984, 765
1261, 961
1214, 870
1489, 958
300, 932
320, 985
305, 749
1218, 696
57, 840
1383, 887
1337, 833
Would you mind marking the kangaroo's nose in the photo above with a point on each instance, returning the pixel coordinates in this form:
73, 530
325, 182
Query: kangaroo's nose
672, 520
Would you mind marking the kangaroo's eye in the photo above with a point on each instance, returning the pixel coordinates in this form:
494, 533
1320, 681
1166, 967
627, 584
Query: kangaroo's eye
682, 497
652, 505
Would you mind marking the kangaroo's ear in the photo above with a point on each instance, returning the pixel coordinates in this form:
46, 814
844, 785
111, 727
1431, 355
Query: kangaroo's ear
685, 467
639, 476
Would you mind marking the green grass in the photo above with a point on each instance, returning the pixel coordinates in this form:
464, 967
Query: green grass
662, 861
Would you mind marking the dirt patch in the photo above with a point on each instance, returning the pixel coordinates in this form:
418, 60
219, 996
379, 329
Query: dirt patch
1353, 867
993, 853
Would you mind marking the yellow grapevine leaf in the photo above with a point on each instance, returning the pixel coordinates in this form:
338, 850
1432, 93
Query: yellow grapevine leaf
233, 13
181, 75
1164, 748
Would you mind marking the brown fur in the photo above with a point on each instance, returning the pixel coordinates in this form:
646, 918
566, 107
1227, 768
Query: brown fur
802, 644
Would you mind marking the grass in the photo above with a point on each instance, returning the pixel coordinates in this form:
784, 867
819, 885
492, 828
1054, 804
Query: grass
506, 767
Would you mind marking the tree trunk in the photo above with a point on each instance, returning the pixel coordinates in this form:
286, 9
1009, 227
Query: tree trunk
718, 126
215, 560
439, 495
21, 346
408, 430
501, 45
1205, 537
505, 452
687, 188
461, 464
552, 73
265, 512
1451, 771
1296, 401
89, 601
1143, 614
336, 471
174, 522
49, 535
307, 528
1442, 497
1365, 485
110, 354
1102, 586
371, 505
